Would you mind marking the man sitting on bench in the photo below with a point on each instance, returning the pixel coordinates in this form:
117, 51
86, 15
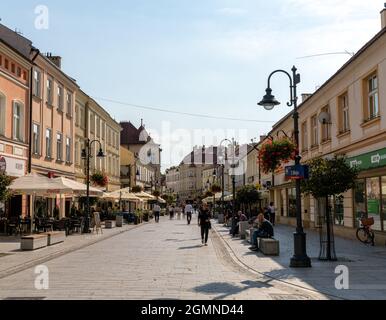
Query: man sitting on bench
265, 230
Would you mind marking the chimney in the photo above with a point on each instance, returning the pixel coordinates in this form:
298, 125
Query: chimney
305, 96
56, 60
262, 138
383, 16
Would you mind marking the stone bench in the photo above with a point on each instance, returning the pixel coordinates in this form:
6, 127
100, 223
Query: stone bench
34, 242
55, 237
243, 227
269, 246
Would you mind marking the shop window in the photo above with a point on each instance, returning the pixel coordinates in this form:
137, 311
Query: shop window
291, 202
338, 209
373, 201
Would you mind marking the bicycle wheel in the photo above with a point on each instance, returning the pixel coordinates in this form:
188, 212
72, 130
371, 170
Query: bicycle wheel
364, 236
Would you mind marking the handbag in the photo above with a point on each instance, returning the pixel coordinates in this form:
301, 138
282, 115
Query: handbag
209, 225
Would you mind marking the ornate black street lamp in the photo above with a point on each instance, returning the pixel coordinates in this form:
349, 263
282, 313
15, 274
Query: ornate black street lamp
86, 155
222, 160
300, 258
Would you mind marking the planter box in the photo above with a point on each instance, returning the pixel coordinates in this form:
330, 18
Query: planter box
220, 218
119, 221
109, 224
34, 242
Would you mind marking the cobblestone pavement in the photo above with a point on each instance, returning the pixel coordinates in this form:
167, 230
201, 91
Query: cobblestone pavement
366, 265
154, 261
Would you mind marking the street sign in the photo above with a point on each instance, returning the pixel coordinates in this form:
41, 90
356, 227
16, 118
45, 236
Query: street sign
296, 172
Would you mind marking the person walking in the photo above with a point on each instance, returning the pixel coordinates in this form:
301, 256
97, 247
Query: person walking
188, 211
204, 223
171, 212
156, 212
272, 213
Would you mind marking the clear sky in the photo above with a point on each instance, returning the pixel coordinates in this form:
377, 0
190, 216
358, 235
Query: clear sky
208, 57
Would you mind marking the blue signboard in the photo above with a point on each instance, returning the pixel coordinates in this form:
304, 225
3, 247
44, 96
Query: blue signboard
296, 172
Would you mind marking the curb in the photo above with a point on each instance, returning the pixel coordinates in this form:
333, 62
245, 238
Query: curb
243, 264
31, 263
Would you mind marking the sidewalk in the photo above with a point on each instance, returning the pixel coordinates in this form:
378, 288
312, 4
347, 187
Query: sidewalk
366, 264
13, 260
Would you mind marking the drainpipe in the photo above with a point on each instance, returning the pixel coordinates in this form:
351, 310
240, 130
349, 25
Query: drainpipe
30, 113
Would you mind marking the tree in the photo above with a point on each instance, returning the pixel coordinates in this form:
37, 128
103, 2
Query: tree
248, 195
215, 188
5, 182
329, 177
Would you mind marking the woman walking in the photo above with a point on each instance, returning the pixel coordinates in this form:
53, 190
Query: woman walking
204, 223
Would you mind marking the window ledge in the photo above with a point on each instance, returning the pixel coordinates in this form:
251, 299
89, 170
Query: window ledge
69, 163
314, 147
69, 116
49, 105
370, 122
60, 110
37, 98
36, 155
326, 141
304, 151
342, 134
48, 159
59, 161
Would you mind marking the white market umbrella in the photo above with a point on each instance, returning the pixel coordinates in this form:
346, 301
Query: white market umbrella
78, 188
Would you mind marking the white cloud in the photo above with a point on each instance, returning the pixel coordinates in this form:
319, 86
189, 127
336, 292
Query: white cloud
232, 11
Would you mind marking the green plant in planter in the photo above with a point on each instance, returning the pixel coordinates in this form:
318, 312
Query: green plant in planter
274, 152
156, 193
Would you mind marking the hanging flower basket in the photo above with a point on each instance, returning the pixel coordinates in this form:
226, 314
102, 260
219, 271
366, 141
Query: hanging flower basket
273, 153
100, 179
215, 188
136, 189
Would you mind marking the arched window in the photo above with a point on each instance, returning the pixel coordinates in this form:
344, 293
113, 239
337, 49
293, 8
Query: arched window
18, 118
2, 114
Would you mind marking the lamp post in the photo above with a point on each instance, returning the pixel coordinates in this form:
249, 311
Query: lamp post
86, 155
300, 258
223, 174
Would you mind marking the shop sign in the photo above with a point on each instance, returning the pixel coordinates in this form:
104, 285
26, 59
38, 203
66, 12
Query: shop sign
369, 160
296, 172
13, 167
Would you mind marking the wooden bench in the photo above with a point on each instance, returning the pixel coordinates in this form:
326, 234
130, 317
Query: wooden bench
55, 237
34, 242
269, 246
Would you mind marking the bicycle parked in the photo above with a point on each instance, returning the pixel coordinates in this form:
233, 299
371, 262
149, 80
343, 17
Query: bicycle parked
364, 233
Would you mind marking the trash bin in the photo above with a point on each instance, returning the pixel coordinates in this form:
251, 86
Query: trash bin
119, 221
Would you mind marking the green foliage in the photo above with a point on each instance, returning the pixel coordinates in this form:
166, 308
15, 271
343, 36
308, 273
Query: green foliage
329, 177
208, 194
248, 194
5, 181
273, 153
